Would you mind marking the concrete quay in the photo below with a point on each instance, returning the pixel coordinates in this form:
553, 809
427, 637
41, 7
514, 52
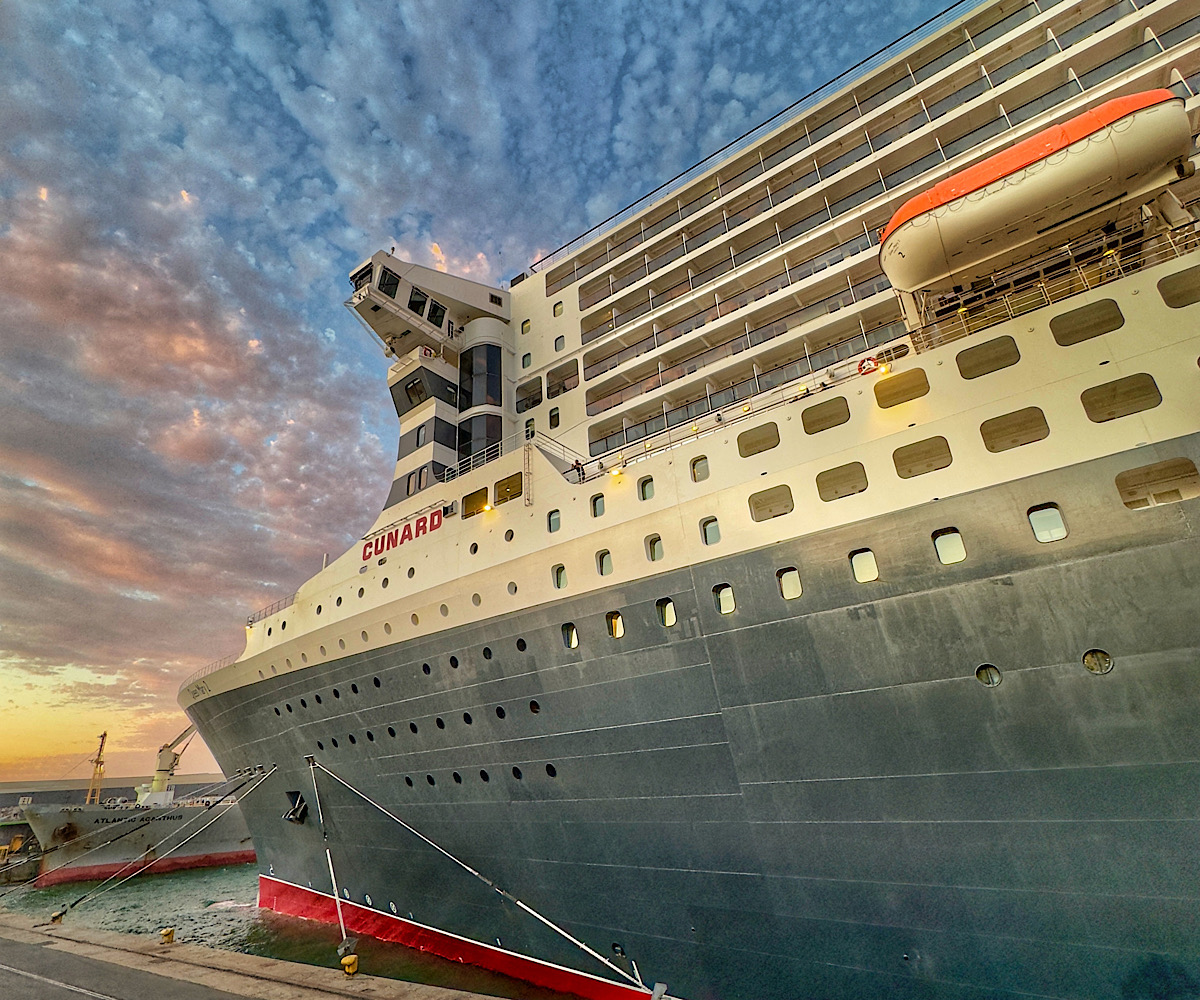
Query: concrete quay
62, 962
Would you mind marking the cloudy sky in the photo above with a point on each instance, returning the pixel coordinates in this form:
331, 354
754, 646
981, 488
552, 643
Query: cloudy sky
189, 417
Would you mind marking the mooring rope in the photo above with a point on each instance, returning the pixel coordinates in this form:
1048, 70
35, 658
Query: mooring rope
104, 887
483, 878
337, 894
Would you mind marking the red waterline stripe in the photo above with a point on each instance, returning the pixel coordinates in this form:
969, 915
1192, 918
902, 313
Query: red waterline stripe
91, 873
284, 897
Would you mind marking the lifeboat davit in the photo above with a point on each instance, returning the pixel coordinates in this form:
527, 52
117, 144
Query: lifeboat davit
1040, 193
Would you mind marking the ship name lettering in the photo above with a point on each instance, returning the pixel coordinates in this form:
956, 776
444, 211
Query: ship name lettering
398, 536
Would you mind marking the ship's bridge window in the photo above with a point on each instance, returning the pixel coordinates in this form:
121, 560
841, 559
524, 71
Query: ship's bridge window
710, 531
654, 547
415, 391
983, 359
1047, 523
1086, 322
437, 313
758, 439
1011, 430
921, 457
389, 282
823, 416
771, 503
863, 566
475, 503
553, 521
948, 544
508, 488
1164, 482
1181, 288
417, 300
645, 488
897, 389
1120, 398
844, 481
699, 468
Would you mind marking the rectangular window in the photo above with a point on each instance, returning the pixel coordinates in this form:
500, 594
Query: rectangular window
901, 388
863, 566
921, 457
654, 547
597, 505
986, 358
825, 415
604, 562
844, 481
389, 282
558, 308
710, 531
723, 599
699, 469
666, 612
508, 488
771, 503
1120, 398
1086, 322
416, 391
474, 503
1047, 523
570, 635
437, 313
417, 300
553, 521
1011, 430
758, 439
1164, 482
529, 394
789, 583
948, 544
616, 627
562, 379
554, 418
1181, 288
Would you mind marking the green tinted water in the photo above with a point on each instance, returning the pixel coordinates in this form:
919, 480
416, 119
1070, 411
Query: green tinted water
216, 907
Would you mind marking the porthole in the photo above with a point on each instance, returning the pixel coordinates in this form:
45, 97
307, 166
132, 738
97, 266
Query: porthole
341, 643
334, 742
412, 570
521, 645
426, 667
273, 670
387, 628
408, 781
508, 535
439, 723
318, 609
277, 712
287, 662
666, 612
303, 703
534, 707
268, 630
457, 778
512, 587
364, 636
476, 600
367, 899
412, 728
383, 583
361, 591
487, 652
723, 599
351, 738
1098, 661
392, 907
337, 693
551, 771
443, 611
261, 675
391, 732
320, 745
474, 548
339, 602
500, 713
988, 675
467, 718
483, 776
370, 736
415, 619
322, 649
317, 698
303, 657
454, 662
516, 772
376, 682
429, 778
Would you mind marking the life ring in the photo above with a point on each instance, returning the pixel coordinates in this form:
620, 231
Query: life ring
867, 365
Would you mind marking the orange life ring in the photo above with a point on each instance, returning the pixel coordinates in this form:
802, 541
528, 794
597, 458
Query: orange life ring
867, 365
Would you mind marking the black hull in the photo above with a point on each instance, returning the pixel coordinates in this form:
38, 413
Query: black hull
807, 798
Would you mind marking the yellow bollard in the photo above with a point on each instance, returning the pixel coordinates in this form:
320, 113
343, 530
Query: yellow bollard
350, 965
168, 935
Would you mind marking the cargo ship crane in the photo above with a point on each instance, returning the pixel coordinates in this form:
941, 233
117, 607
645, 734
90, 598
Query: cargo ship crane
158, 792
97, 762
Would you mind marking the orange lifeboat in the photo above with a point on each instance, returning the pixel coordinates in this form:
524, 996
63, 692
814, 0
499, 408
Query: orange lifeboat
1040, 193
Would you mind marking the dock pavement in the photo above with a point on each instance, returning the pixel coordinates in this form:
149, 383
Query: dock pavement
62, 962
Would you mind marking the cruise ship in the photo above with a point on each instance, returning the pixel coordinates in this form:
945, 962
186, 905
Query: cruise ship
788, 588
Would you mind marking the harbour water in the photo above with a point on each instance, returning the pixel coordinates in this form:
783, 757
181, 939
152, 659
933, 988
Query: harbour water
216, 907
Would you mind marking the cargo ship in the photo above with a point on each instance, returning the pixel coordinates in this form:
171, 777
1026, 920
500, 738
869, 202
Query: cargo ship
788, 588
